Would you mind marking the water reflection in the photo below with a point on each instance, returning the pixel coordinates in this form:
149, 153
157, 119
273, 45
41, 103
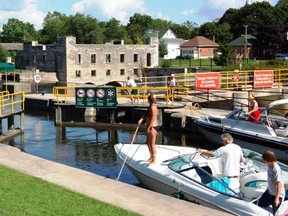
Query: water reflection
86, 148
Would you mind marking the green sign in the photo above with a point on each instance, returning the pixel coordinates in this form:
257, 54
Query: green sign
101, 97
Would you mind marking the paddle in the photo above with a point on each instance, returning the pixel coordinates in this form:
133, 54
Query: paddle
127, 153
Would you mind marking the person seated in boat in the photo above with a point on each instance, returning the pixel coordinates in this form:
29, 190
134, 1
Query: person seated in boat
253, 109
231, 157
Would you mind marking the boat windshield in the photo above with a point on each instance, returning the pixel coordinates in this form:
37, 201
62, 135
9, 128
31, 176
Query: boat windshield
203, 175
237, 113
256, 159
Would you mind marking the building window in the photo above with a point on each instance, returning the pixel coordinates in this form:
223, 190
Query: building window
93, 58
34, 58
148, 59
122, 58
78, 73
93, 73
135, 57
122, 72
108, 72
78, 59
135, 71
108, 58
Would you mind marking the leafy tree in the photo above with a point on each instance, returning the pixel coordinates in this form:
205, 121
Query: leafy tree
114, 31
225, 57
16, 31
3, 54
54, 25
181, 31
281, 2
162, 49
208, 30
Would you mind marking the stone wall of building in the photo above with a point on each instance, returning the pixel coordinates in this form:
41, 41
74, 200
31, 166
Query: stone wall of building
97, 64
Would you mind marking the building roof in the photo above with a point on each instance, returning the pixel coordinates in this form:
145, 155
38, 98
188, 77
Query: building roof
199, 41
150, 33
13, 46
240, 41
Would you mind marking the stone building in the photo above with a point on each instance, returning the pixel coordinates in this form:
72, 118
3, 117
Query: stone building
96, 64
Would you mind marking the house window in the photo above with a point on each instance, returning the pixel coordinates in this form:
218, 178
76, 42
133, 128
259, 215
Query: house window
78, 73
122, 72
135, 57
93, 58
148, 59
93, 73
135, 71
122, 58
108, 58
108, 72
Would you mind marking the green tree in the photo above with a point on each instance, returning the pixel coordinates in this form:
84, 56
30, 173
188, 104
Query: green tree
162, 49
54, 25
16, 31
3, 54
114, 31
226, 55
181, 31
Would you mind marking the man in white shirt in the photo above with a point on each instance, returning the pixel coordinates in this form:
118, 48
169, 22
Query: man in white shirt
131, 83
231, 156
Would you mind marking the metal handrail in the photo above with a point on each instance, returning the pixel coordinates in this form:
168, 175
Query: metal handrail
12, 103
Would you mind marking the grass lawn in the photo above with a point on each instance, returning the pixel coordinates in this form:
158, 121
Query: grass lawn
22, 195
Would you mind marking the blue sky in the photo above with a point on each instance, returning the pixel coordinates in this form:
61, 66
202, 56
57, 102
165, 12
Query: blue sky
177, 11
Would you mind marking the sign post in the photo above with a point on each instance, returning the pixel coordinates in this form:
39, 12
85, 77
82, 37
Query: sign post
37, 79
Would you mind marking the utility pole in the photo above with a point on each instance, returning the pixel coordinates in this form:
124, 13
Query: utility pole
245, 43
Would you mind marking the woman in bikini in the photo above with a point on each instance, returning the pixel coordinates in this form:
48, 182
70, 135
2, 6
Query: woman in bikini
151, 127
253, 111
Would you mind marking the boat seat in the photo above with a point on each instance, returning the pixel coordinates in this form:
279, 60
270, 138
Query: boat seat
282, 131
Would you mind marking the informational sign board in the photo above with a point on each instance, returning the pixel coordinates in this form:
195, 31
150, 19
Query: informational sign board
208, 80
263, 78
99, 97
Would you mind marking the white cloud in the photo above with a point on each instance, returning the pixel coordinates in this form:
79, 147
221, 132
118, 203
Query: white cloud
121, 10
188, 12
25, 11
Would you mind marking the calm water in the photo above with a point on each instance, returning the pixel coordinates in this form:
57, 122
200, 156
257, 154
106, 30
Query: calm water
86, 148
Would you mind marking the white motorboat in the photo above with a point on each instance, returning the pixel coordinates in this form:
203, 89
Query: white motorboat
183, 172
270, 133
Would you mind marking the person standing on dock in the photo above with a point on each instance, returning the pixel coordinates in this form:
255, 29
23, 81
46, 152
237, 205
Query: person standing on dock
171, 82
253, 110
151, 127
131, 83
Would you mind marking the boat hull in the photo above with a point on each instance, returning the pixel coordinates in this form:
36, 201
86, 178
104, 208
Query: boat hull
253, 142
162, 179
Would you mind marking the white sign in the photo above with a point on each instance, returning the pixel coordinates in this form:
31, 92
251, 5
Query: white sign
37, 78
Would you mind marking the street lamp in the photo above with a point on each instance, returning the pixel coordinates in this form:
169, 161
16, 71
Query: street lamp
245, 43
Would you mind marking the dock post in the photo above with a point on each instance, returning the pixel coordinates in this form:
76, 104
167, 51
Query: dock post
22, 121
58, 115
10, 121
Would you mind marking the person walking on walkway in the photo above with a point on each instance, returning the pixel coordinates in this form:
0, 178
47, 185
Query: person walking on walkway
131, 83
151, 127
171, 82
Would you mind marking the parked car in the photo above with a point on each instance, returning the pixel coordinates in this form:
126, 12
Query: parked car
282, 57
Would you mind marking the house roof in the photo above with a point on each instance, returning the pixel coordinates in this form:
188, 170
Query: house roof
240, 41
13, 46
173, 40
199, 41
150, 33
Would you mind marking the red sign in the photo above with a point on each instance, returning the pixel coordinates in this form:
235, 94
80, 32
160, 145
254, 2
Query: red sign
263, 78
209, 80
